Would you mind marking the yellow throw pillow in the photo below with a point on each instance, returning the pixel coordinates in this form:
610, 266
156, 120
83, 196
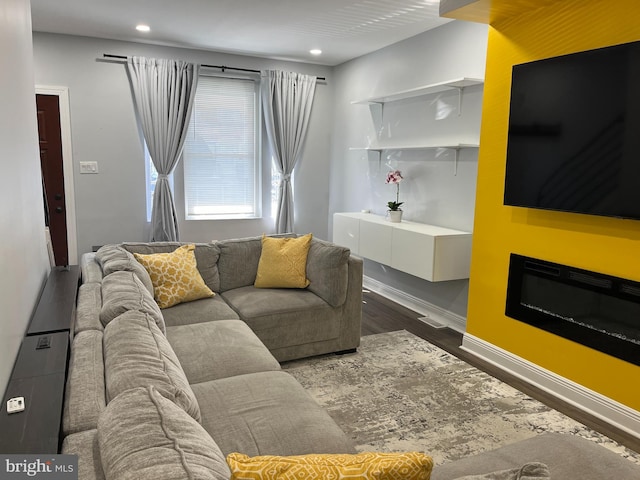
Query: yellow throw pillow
175, 276
283, 262
361, 466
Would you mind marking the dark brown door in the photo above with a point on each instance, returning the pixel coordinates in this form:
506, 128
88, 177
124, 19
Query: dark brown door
52, 174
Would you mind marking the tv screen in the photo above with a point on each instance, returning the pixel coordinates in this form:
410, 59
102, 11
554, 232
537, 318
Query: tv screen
574, 133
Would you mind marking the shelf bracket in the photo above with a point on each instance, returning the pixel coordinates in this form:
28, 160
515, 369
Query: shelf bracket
460, 92
375, 154
455, 161
377, 113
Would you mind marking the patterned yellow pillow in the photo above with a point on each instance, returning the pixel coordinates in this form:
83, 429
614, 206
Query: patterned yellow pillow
283, 262
175, 276
361, 466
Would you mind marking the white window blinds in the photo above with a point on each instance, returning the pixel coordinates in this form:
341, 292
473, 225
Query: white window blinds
221, 152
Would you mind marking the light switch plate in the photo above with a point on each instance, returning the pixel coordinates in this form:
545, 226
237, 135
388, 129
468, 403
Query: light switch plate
15, 405
88, 167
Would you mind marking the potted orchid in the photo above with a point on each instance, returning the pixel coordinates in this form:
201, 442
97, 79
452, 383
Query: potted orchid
395, 213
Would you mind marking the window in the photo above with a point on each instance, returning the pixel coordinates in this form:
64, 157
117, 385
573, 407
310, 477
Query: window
222, 150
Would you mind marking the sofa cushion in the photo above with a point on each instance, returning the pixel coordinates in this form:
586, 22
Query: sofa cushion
328, 271
284, 317
367, 465
142, 435
175, 276
283, 262
136, 353
198, 311
238, 263
267, 413
85, 393
123, 291
88, 306
206, 257
212, 350
85, 446
113, 258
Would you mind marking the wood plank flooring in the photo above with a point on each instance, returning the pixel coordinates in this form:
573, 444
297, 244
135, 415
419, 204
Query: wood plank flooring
381, 315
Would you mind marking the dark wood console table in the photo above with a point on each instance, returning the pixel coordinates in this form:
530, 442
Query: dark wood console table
39, 373
56, 309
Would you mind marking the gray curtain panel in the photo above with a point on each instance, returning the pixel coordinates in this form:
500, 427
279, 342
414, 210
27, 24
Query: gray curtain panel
287, 98
163, 93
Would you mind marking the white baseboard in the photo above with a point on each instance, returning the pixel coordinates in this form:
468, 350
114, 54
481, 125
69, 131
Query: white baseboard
594, 403
432, 312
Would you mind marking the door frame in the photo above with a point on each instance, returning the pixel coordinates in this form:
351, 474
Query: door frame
67, 165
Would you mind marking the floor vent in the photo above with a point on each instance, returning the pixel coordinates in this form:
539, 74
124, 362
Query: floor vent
431, 322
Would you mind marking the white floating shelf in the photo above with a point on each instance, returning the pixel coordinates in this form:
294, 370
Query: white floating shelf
457, 83
454, 146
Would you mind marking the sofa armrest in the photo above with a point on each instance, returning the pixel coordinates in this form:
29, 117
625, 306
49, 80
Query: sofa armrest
90, 268
352, 308
85, 393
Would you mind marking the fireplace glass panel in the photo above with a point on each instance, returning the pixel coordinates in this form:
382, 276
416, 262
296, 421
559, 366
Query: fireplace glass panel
587, 308
595, 310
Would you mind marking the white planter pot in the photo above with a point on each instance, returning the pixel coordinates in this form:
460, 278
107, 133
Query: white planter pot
395, 216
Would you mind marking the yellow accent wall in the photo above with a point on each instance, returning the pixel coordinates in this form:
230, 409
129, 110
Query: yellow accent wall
607, 245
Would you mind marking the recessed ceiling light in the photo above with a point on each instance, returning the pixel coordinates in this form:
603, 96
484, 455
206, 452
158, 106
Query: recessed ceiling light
315, 51
143, 28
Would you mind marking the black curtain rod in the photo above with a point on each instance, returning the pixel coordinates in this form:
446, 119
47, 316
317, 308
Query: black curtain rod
221, 67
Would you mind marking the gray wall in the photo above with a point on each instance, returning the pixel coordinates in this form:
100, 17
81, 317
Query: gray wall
110, 206
23, 261
431, 192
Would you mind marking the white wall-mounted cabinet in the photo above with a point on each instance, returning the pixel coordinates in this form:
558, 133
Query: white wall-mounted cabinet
426, 251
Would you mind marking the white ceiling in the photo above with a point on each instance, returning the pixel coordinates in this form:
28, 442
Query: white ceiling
281, 29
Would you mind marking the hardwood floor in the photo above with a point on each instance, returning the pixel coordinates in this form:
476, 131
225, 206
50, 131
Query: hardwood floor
381, 315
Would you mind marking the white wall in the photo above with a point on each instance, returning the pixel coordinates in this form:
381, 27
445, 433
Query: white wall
24, 261
431, 192
110, 206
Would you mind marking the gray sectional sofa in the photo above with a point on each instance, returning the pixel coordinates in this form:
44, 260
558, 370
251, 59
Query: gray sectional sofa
169, 393
155, 394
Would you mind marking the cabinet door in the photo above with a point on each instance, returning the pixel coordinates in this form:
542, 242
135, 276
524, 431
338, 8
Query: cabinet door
452, 258
413, 252
375, 241
346, 232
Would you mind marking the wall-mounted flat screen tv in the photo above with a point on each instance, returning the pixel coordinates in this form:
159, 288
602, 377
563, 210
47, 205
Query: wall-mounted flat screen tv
574, 133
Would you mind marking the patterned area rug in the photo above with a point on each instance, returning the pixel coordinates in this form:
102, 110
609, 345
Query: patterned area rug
401, 393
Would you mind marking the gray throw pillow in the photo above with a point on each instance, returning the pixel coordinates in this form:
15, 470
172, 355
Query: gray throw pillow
137, 354
113, 258
123, 291
142, 435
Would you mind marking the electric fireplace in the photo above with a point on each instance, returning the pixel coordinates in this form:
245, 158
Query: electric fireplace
596, 310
